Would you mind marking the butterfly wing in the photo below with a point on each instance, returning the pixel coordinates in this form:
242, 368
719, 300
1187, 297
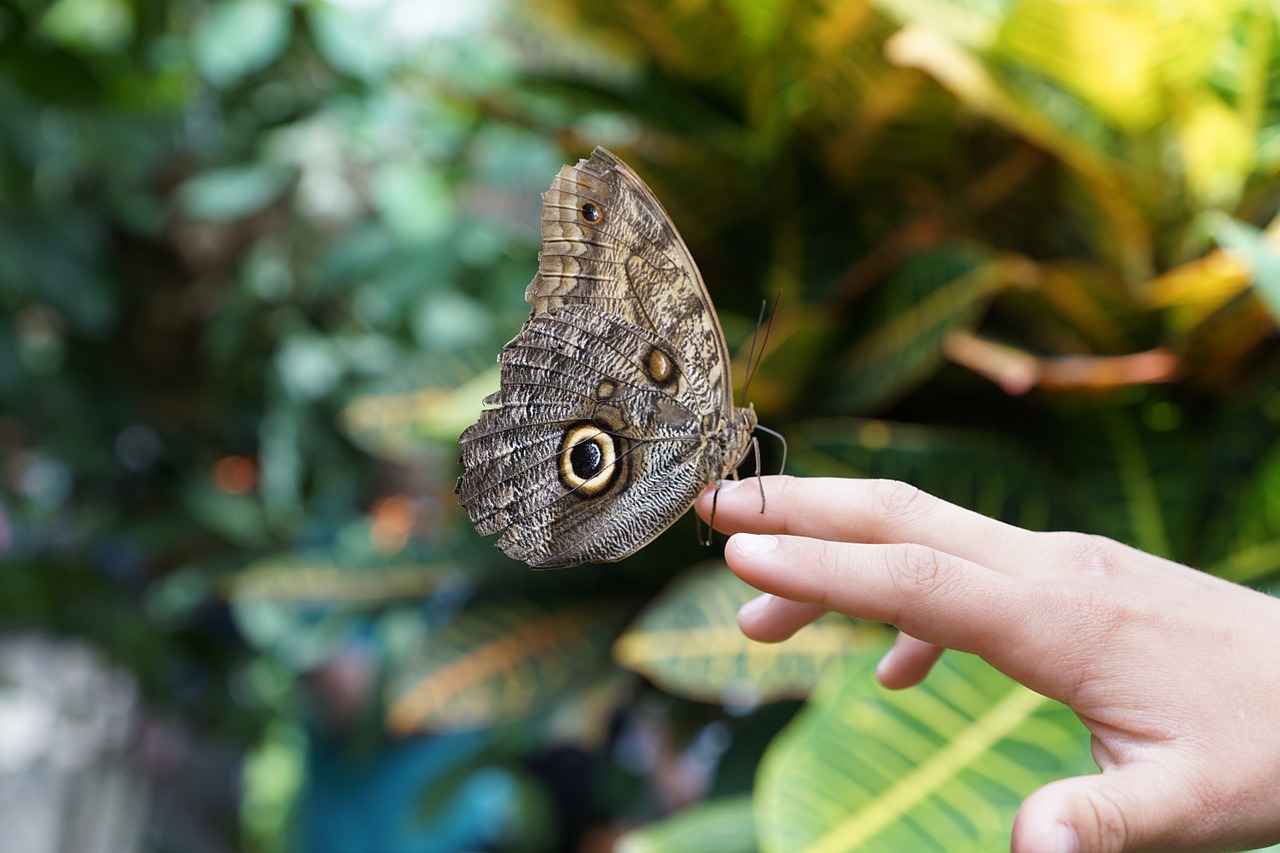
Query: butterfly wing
615, 406
585, 457
608, 242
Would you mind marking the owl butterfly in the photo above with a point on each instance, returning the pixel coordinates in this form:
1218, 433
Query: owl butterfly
615, 407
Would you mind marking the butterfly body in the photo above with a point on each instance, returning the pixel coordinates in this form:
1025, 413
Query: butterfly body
615, 406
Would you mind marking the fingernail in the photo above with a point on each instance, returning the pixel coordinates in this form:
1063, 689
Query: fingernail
751, 544
755, 606
883, 666
1065, 840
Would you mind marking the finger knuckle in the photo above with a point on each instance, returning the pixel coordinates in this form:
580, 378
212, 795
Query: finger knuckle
900, 501
1090, 552
1106, 822
1094, 614
783, 495
920, 570
834, 561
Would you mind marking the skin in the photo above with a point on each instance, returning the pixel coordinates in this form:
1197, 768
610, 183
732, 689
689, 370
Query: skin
1175, 673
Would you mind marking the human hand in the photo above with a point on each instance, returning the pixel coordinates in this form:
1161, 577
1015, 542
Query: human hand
1175, 673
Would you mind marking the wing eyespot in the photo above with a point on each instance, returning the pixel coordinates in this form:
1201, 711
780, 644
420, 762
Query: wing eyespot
588, 460
590, 212
660, 367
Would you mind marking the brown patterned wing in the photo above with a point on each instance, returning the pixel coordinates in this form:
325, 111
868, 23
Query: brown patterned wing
608, 242
591, 450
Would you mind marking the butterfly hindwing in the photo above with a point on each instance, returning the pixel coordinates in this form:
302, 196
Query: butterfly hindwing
577, 376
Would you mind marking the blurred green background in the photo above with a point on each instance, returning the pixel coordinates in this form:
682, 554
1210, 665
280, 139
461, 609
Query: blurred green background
256, 260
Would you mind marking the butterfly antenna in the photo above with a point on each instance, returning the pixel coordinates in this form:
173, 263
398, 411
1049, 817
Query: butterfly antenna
751, 353
754, 359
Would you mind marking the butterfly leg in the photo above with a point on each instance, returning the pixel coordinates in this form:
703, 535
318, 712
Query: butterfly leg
755, 446
711, 522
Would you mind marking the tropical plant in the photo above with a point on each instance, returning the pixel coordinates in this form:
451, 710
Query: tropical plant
1026, 258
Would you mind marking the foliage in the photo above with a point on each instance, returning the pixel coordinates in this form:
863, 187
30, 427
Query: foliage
256, 258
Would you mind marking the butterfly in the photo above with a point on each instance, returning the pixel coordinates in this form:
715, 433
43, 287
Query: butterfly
615, 404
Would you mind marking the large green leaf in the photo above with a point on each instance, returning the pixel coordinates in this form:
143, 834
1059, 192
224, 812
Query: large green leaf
500, 660
428, 404
982, 471
724, 826
687, 641
1075, 308
943, 766
322, 580
1045, 113
1121, 60
301, 609
903, 324
1244, 533
1129, 472
866, 117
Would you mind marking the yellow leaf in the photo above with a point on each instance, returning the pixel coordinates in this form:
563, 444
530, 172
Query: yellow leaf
1217, 150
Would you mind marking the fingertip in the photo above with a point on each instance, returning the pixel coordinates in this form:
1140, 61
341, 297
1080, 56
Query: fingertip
908, 663
884, 669
1050, 838
753, 544
752, 613
1043, 824
715, 496
702, 503
754, 608
1138, 807
1064, 839
770, 619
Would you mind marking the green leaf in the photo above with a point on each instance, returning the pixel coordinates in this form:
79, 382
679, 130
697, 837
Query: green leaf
1252, 246
1122, 59
350, 39
1137, 478
943, 766
98, 25
687, 641
759, 21
905, 321
238, 518
1051, 118
1130, 473
982, 471
1246, 528
300, 637
273, 774
321, 580
238, 37
425, 405
301, 609
497, 661
234, 192
1218, 150
310, 366
414, 200
973, 24
724, 825
447, 320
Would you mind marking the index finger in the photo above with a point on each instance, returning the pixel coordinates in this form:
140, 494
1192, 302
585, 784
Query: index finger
869, 511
